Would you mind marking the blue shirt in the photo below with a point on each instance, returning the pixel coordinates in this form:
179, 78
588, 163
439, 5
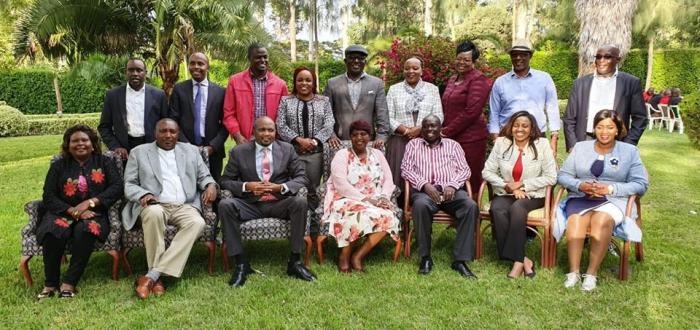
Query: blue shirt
534, 93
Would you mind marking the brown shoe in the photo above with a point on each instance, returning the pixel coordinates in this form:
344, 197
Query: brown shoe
158, 289
144, 285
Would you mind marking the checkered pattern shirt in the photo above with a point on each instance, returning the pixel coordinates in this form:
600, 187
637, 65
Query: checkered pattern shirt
259, 95
398, 97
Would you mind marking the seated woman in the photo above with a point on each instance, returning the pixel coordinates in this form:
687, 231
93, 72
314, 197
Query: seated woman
79, 189
520, 167
357, 201
600, 175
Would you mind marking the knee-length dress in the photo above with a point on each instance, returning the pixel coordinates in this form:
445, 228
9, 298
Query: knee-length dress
353, 179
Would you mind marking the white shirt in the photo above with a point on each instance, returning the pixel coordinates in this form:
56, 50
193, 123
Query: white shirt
602, 96
203, 102
172, 193
135, 111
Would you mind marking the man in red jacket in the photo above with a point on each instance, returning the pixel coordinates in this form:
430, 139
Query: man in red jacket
251, 94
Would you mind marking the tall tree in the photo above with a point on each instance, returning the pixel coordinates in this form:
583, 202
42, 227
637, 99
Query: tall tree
428, 17
651, 16
523, 18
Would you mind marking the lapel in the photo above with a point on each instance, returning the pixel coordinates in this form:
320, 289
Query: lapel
250, 162
155, 162
619, 86
210, 93
364, 90
180, 160
277, 157
345, 88
190, 97
121, 105
585, 96
148, 117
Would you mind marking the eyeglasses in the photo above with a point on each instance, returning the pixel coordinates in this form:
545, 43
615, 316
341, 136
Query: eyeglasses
606, 56
356, 59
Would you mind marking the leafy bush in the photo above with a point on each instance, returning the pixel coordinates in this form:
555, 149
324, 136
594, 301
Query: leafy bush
45, 125
690, 112
12, 121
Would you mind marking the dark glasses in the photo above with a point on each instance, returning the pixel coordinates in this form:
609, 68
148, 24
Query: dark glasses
606, 56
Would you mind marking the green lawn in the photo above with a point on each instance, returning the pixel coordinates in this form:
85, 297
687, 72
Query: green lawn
662, 292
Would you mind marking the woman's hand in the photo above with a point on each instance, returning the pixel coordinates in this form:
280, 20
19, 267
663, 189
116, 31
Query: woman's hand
588, 188
80, 209
519, 194
384, 203
87, 215
513, 186
306, 145
413, 132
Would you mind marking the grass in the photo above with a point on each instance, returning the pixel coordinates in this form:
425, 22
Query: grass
662, 292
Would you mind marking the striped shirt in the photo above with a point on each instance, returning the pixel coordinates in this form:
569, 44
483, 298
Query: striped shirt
443, 165
259, 96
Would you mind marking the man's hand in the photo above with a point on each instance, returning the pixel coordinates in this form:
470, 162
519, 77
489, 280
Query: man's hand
210, 150
239, 138
449, 193
378, 144
210, 194
433, 193
256, 187
146, 198
123, 154
334, 142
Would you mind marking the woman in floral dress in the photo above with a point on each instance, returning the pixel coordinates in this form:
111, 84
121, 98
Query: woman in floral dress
79, 189
357, 202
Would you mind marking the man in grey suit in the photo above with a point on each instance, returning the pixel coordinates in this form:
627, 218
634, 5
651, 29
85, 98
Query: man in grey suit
605, 89
357, 95
264, 176
162, 183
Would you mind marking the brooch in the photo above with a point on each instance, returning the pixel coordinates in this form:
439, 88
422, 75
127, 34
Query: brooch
614, 162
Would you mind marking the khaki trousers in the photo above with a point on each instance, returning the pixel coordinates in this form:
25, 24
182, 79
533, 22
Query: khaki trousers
189, 223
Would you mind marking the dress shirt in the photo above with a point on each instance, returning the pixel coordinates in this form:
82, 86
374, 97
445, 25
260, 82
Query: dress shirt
398, 98
258, 164
173, 192
259, 87
135, 111
602, 96
442, 165
354, 89
535, 93
203, 104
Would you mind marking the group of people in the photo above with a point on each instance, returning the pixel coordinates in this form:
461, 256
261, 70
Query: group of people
436, 144
669, 96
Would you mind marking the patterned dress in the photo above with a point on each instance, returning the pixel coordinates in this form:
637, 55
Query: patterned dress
352, 180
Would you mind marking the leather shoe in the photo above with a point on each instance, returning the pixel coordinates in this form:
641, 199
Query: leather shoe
240, 275
298, 270
461, 268
143, 286
425, 266
158, 288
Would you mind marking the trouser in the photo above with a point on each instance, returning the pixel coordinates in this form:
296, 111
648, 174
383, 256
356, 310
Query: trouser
216, 164
235, 211
82, 244
189, 223
314, 168
465, 211
509, 216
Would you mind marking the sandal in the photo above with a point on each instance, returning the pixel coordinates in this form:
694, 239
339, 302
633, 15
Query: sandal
67, 294
46, 293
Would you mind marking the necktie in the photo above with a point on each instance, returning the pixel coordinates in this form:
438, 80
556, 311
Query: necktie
198, 115
266, 173
518, 168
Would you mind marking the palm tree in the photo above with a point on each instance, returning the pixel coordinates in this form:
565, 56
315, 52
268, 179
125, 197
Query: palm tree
651, 16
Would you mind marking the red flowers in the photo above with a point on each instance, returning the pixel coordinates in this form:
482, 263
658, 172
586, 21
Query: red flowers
61, 222
94, 228
97, 176
70, 187
337, 229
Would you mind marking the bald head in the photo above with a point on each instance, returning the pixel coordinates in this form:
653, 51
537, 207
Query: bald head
431, 119
264, 131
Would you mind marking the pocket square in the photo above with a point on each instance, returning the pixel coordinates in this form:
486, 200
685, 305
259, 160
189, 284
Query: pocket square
370, 92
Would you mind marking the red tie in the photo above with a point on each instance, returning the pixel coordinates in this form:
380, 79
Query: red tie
518, 168
266, 173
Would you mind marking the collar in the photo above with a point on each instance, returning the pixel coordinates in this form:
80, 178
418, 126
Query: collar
512, 74
419, 85
597, 76
203, 83
253, 77
425, 143
259, 148
128, 88
364, 74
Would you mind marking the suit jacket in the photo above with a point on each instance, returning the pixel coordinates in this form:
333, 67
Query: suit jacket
182, 110
113, 125
628, 103
371, 107
287, 169
142, 176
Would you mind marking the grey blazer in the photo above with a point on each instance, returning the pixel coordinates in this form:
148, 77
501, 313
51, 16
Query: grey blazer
372, 106
142, 176
628, 103
287, 169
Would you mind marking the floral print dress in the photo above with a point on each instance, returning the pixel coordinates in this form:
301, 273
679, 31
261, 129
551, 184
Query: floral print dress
349, 218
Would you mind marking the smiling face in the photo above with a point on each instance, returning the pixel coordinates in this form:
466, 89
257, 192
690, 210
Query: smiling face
304, 83
431, 129
412, 71
136, 74
355, 64
80, 146
521, 129
464, 62
359, 139
606, 131
258, 61
264, 131
167, 133
520, 60
606, 59
198, 66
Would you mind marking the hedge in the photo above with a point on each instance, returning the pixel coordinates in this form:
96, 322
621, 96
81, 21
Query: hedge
12, 121
45, 125
690, 113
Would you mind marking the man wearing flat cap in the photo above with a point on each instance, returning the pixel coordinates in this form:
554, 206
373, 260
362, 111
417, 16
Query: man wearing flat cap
524, 88
356, 95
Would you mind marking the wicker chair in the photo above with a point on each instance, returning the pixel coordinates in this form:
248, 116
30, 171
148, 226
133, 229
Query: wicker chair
35, 210
134, 238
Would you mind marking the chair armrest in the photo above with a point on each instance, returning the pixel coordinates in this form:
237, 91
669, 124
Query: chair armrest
468, 188
631, 203
33, 210
407, 199
484, 187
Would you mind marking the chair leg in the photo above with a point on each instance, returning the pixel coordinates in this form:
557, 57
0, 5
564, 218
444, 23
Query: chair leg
224, 257
319, 248
639, 251
478, 240
211, 249
24, 268
407, 244
546, 249
125, 261
397, 250
115, 264
624, 262
309, 248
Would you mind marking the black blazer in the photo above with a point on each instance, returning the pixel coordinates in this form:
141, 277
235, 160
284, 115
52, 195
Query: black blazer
182, 111
113, 125
628, 103
287, 169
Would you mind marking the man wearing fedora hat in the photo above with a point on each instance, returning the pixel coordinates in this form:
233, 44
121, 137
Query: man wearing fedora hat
524, 88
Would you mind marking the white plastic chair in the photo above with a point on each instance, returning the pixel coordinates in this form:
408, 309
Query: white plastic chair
667, 117
653, 115
675, 111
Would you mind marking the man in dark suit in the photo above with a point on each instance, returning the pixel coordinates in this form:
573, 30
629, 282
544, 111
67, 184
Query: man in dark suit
196, 105
264, 176
131, 111
606, 88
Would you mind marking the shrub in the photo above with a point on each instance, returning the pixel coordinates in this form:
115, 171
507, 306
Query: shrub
45, 125
12, 121
690, 112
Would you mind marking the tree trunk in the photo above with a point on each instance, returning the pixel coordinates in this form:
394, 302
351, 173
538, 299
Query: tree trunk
293, 30
523, 16
169, 76
59, 101
346, 14
428, 18
650, 61
316, 44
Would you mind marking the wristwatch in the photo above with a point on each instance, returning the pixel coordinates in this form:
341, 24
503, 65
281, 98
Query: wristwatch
92, 203
610, 189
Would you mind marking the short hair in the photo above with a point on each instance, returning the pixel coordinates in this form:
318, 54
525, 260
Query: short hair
535, 133
468, 46
612, 114
254, 46
94, 139
313, 78
135, 59
360, 125
418, 57
431, 117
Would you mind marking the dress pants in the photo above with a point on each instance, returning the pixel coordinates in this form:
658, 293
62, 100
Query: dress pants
465, 211
189, 223
314, 166
509, 216
216, 165
235, 211
82, 244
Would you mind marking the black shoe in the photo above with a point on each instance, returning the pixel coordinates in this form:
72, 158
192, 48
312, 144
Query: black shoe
240, 275
461, 268
425, 266
531, 275
298, 270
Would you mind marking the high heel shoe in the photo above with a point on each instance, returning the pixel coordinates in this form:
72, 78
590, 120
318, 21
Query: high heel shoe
532, 274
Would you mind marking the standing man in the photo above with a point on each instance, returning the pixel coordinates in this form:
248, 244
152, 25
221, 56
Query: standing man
605, 89
437, 171
162, 183
357, 95
525, 88
197, 106
130, 112
251, 94
264, 176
